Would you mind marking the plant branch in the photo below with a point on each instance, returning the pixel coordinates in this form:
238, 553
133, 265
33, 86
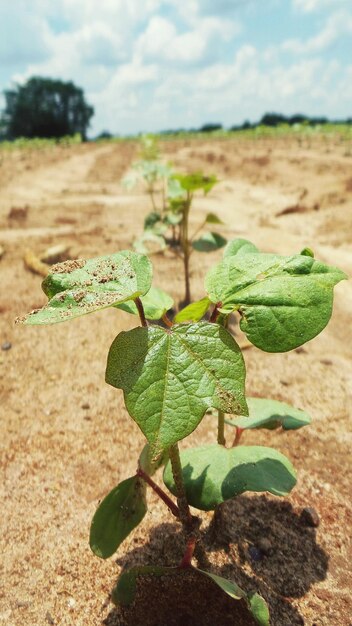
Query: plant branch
221, 428
167, 321
215, 314
198, 230
185, 513
140, 308
162, 495
238, 436
188, 555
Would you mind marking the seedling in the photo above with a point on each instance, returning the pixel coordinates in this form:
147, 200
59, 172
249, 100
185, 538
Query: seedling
176, 192
172, 375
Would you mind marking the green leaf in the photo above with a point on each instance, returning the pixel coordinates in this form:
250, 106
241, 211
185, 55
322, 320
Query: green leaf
259, 609
75, 288
212, 218
213, 474
283, 301
239, 246
148, 464
172, 219
256, 604
271, 414
117, 515
149, 242
124, 591
152, 219
171, 377
174, 189
196, 181
231, 589
307, 252
156, 302
193, 312
209, 242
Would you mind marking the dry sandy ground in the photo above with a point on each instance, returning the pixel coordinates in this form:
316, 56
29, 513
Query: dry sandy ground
66, 438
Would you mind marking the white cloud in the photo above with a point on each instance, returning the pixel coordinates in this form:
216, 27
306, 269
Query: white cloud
151, 65
337, 25
23, 37
307, 6
161, 40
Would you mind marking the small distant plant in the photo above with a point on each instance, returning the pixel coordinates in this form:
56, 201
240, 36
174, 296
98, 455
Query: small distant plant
172, 376
171, 212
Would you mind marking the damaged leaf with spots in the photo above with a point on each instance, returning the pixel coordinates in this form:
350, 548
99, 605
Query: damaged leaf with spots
79, 287
171, 377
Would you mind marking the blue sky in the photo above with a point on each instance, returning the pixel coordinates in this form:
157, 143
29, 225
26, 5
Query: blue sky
149, 65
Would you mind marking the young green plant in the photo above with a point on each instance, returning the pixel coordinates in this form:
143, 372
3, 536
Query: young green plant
172, 375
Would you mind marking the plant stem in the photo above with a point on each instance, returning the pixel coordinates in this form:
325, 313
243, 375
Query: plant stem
215, 313
237, 438
185, 244
188, 555
162, 495
140, 308
167, 321
188, 522
185, 513
221, 428
151, 194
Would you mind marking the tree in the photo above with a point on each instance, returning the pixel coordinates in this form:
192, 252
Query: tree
43, 107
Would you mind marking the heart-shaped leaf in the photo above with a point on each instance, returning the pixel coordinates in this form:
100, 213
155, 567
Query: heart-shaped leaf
117, 515
151, 219
209, 242
171, 377
283, 301
75, 288
239, 246
212, 218
149, 243
193, 312
124, 591
213, 474
196, 181
271, 414
155, 303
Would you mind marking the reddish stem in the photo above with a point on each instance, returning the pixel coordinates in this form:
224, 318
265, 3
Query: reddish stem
167, 321
162, 495
188, 555
215, 314
139, 305
237, 438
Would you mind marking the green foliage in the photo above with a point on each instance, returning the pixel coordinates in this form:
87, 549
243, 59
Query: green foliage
75, 288
209, 242
271, 414
283, 301
256, 604
117, 515
125, 590
239, 246
43, 107
193, 312
155, 303
171, 377
213, 474
196, 182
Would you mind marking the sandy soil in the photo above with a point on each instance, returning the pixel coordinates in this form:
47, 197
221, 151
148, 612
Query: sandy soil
66, 438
